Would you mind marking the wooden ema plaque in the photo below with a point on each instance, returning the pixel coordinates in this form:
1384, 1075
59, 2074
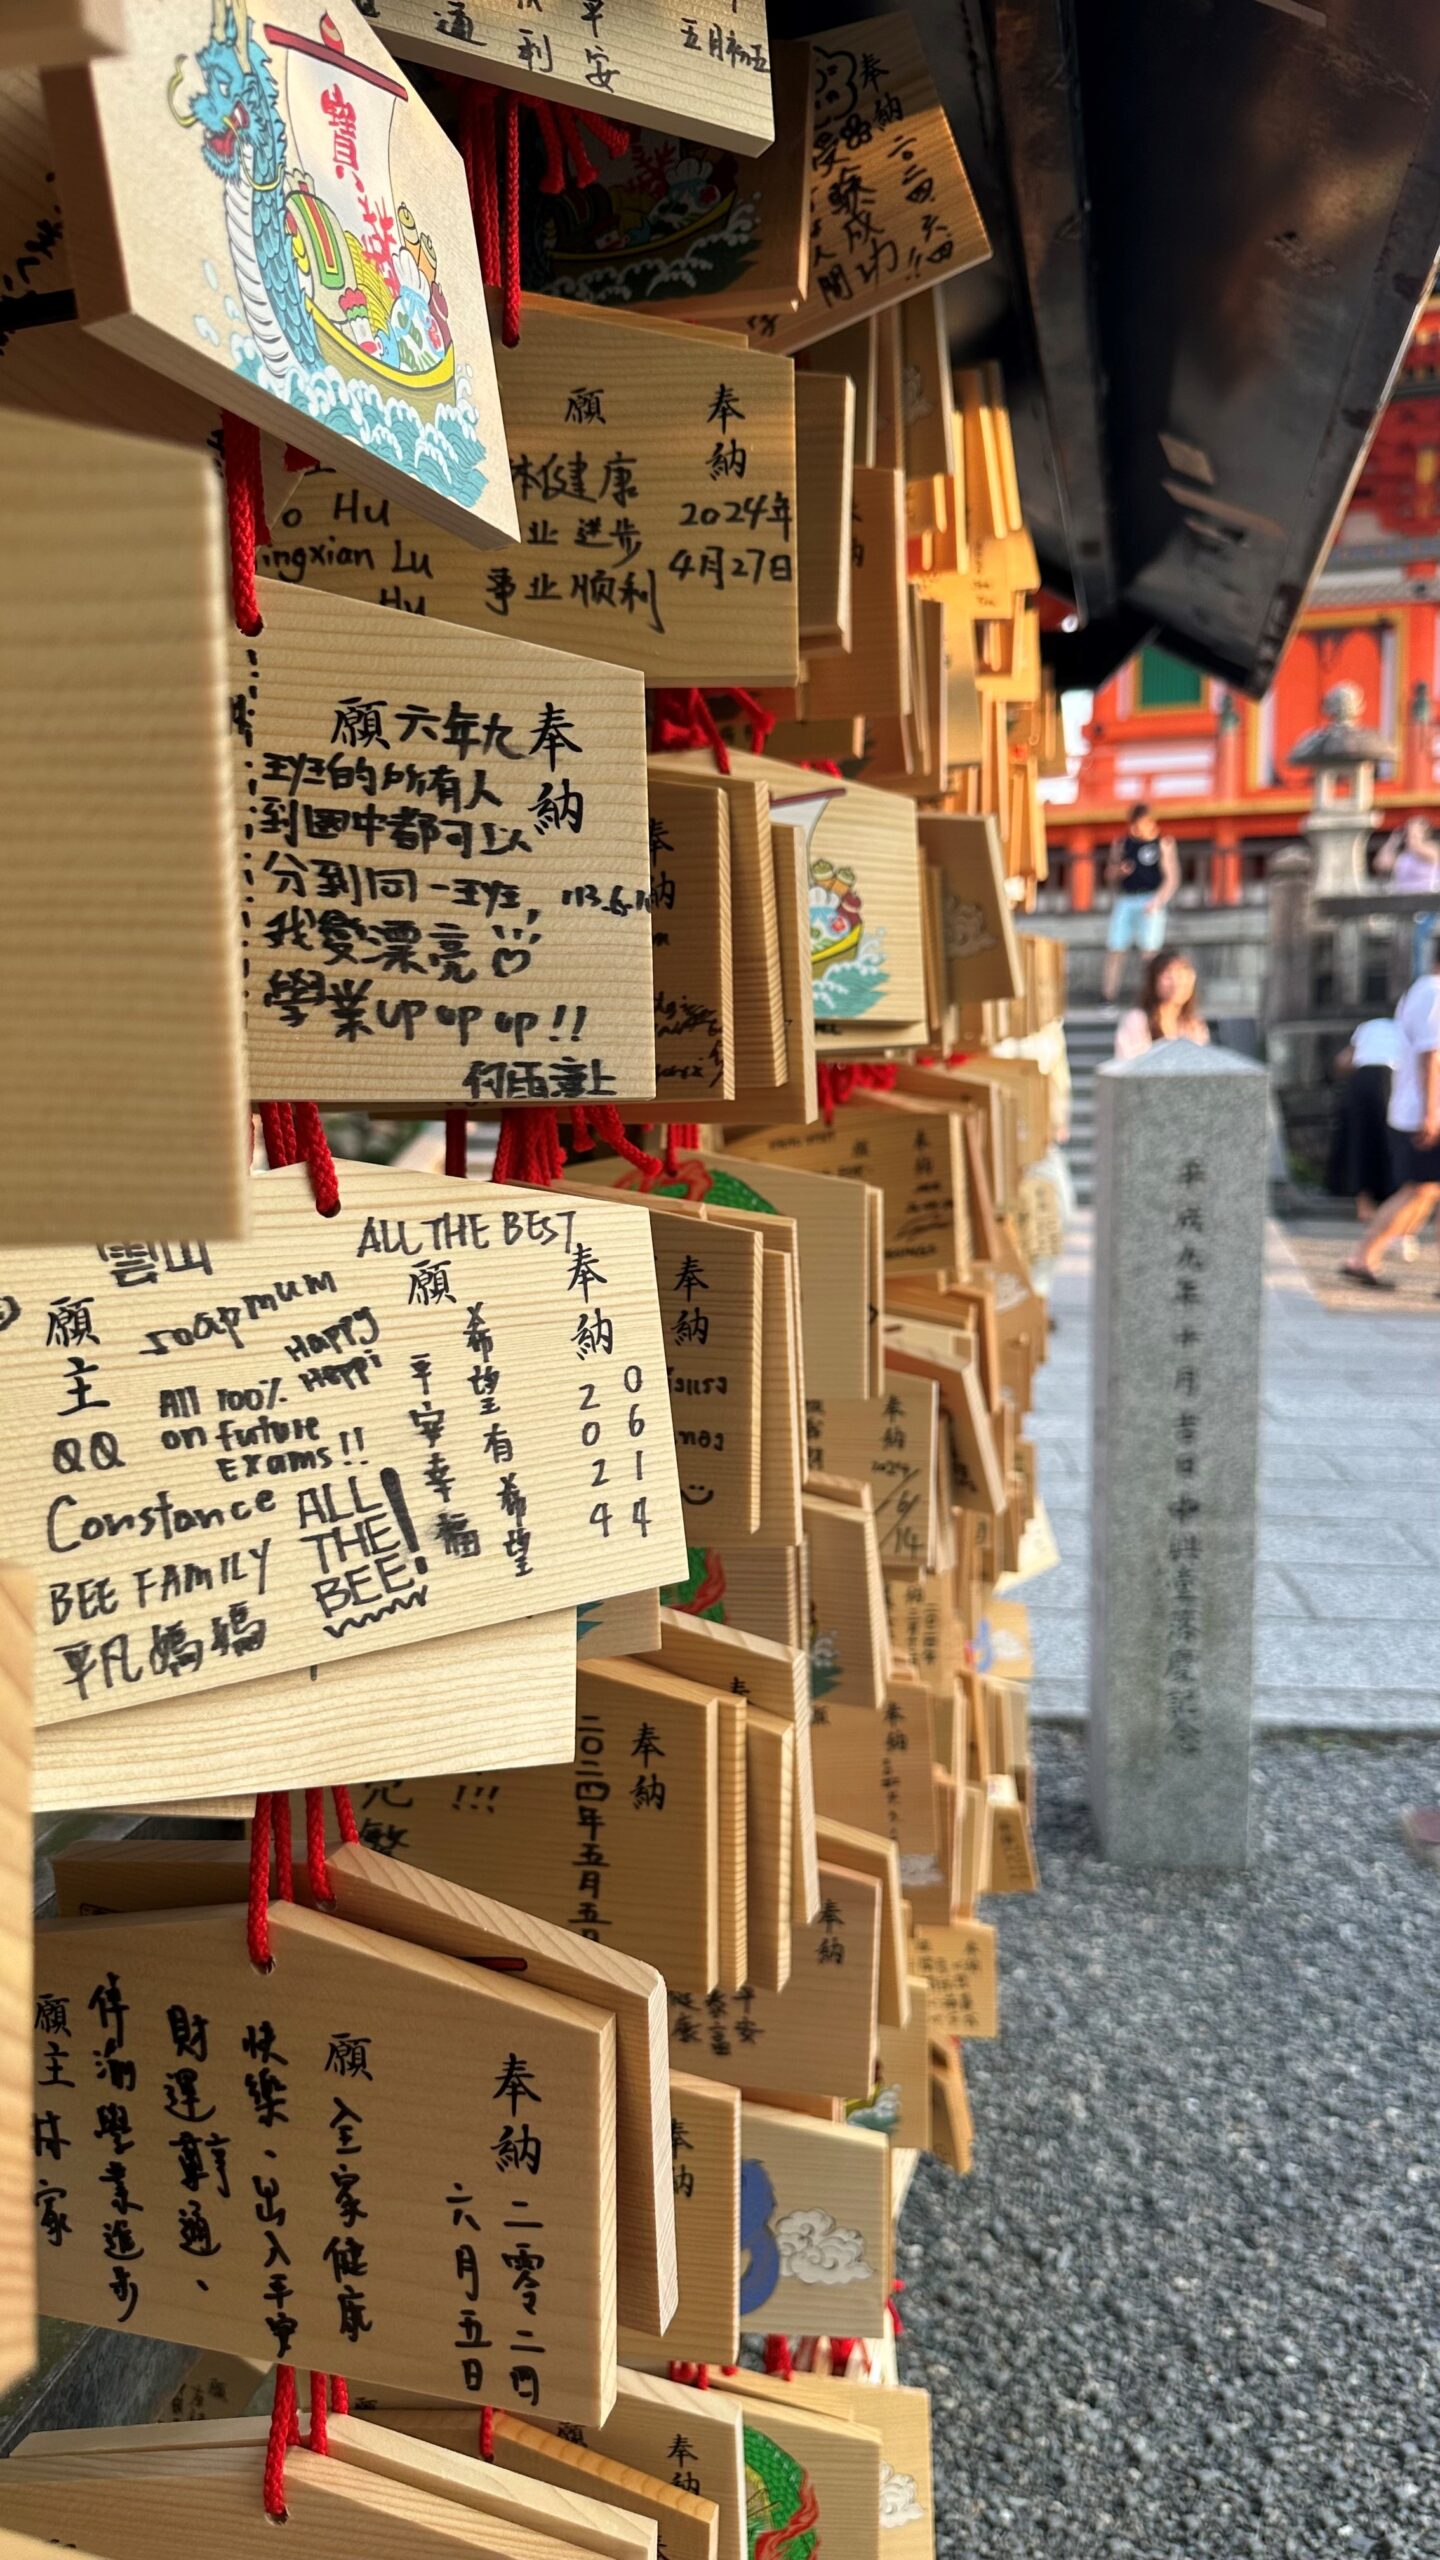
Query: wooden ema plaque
690, 2439
774, 1678
825, 434
891, 212
198, 2497
873, 677
478, 931
692, 943
848, 1643
819, 2030
112, 706
887, 1441
901, 2420
869, 1767
549, 2520
622, 1847
705, 2174
337, 1455
17, 2242
316, 270
654, 471
301, 2163
53, 33
692, 234
428, 1704
630, 60
981, 952
958, 1964
678, 2526
916, 1163
902, 2106
815, 2229
810, 2474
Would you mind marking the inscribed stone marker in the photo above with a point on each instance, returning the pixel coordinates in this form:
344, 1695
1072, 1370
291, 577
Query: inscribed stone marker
655, 475
361, 320
631, 60
433, 1494
881, 143
445, 863
120, 975
360, 2079
1179, 1232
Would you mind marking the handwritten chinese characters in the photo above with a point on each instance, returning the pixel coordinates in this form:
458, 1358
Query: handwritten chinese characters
958, 1967
701, 70
891, 212
446, 876
655, 479
340, 1437
371, 2153
817, 2036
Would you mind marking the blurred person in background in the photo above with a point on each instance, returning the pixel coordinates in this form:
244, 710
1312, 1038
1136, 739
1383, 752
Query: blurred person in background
1168, 1007
1144, 872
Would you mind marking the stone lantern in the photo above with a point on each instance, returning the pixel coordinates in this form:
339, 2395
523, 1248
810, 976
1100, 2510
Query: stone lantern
1341, 757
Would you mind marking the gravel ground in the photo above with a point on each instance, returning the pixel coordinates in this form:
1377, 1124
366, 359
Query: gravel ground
1187, 2302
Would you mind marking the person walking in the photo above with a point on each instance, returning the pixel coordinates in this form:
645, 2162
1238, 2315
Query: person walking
1168, 1008
1415, 1114
1144, 872
1410, 860
1365, 1154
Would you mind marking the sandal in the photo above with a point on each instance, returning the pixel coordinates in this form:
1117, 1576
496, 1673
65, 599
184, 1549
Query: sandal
1364, 1279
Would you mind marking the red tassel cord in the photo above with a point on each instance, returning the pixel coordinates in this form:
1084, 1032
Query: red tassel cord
528, 1148
495, 198
778, 2359
244, 517
457, 1141
487, 2434
837, 1084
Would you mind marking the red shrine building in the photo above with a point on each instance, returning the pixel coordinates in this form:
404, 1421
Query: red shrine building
1212, 763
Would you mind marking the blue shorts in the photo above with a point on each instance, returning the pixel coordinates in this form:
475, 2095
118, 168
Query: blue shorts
1132, 929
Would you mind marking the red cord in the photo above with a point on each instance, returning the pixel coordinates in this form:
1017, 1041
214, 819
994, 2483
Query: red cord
345, 1816
487, 2434
897, 2285
284, 2431
696, 2375
528, 1148
841, 2351
315, 1857
244, 517
257, 1918
478, 132
457, 1140
284, 1848
552, 177
510, 241
313, 1145
339, 2396
836, 1084
680, 1134
778, 2359
318, 2439
277, 1127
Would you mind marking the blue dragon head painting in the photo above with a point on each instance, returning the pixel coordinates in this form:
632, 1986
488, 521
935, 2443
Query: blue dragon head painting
237, 103
760, 2253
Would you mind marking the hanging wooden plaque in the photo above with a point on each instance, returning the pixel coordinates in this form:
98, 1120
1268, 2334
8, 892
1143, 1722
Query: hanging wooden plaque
891, 211
873, 677
982, 959
847, 1637
692, 943
426, 1489
654, 473
551, 2521
428, 1704
888, 1442
806, 2473
479, 930
681, 2527
625, 59
867, 1766
209, 2498
705, 2172
902, 2104
814, 2224
682, 2437
819, 2030
621, 1846
769, 1827
773, 1677
691, 233
426, 1910
825, 435
133, 824
901, 2419
630, 1623
17, 2243
915, 1162
959, 1967
344, 305
868, 1853
293, 2166
710, 1284
56, 32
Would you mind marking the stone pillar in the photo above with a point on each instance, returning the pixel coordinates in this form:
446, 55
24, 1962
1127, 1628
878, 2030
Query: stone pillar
1179, 1234
1289, 974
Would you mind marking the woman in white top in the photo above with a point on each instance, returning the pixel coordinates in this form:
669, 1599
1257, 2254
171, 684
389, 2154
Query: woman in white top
1167, 1009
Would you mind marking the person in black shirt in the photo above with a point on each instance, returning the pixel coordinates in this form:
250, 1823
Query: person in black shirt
1144, 872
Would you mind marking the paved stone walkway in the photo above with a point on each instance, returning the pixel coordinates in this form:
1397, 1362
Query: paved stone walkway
1348, 1596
